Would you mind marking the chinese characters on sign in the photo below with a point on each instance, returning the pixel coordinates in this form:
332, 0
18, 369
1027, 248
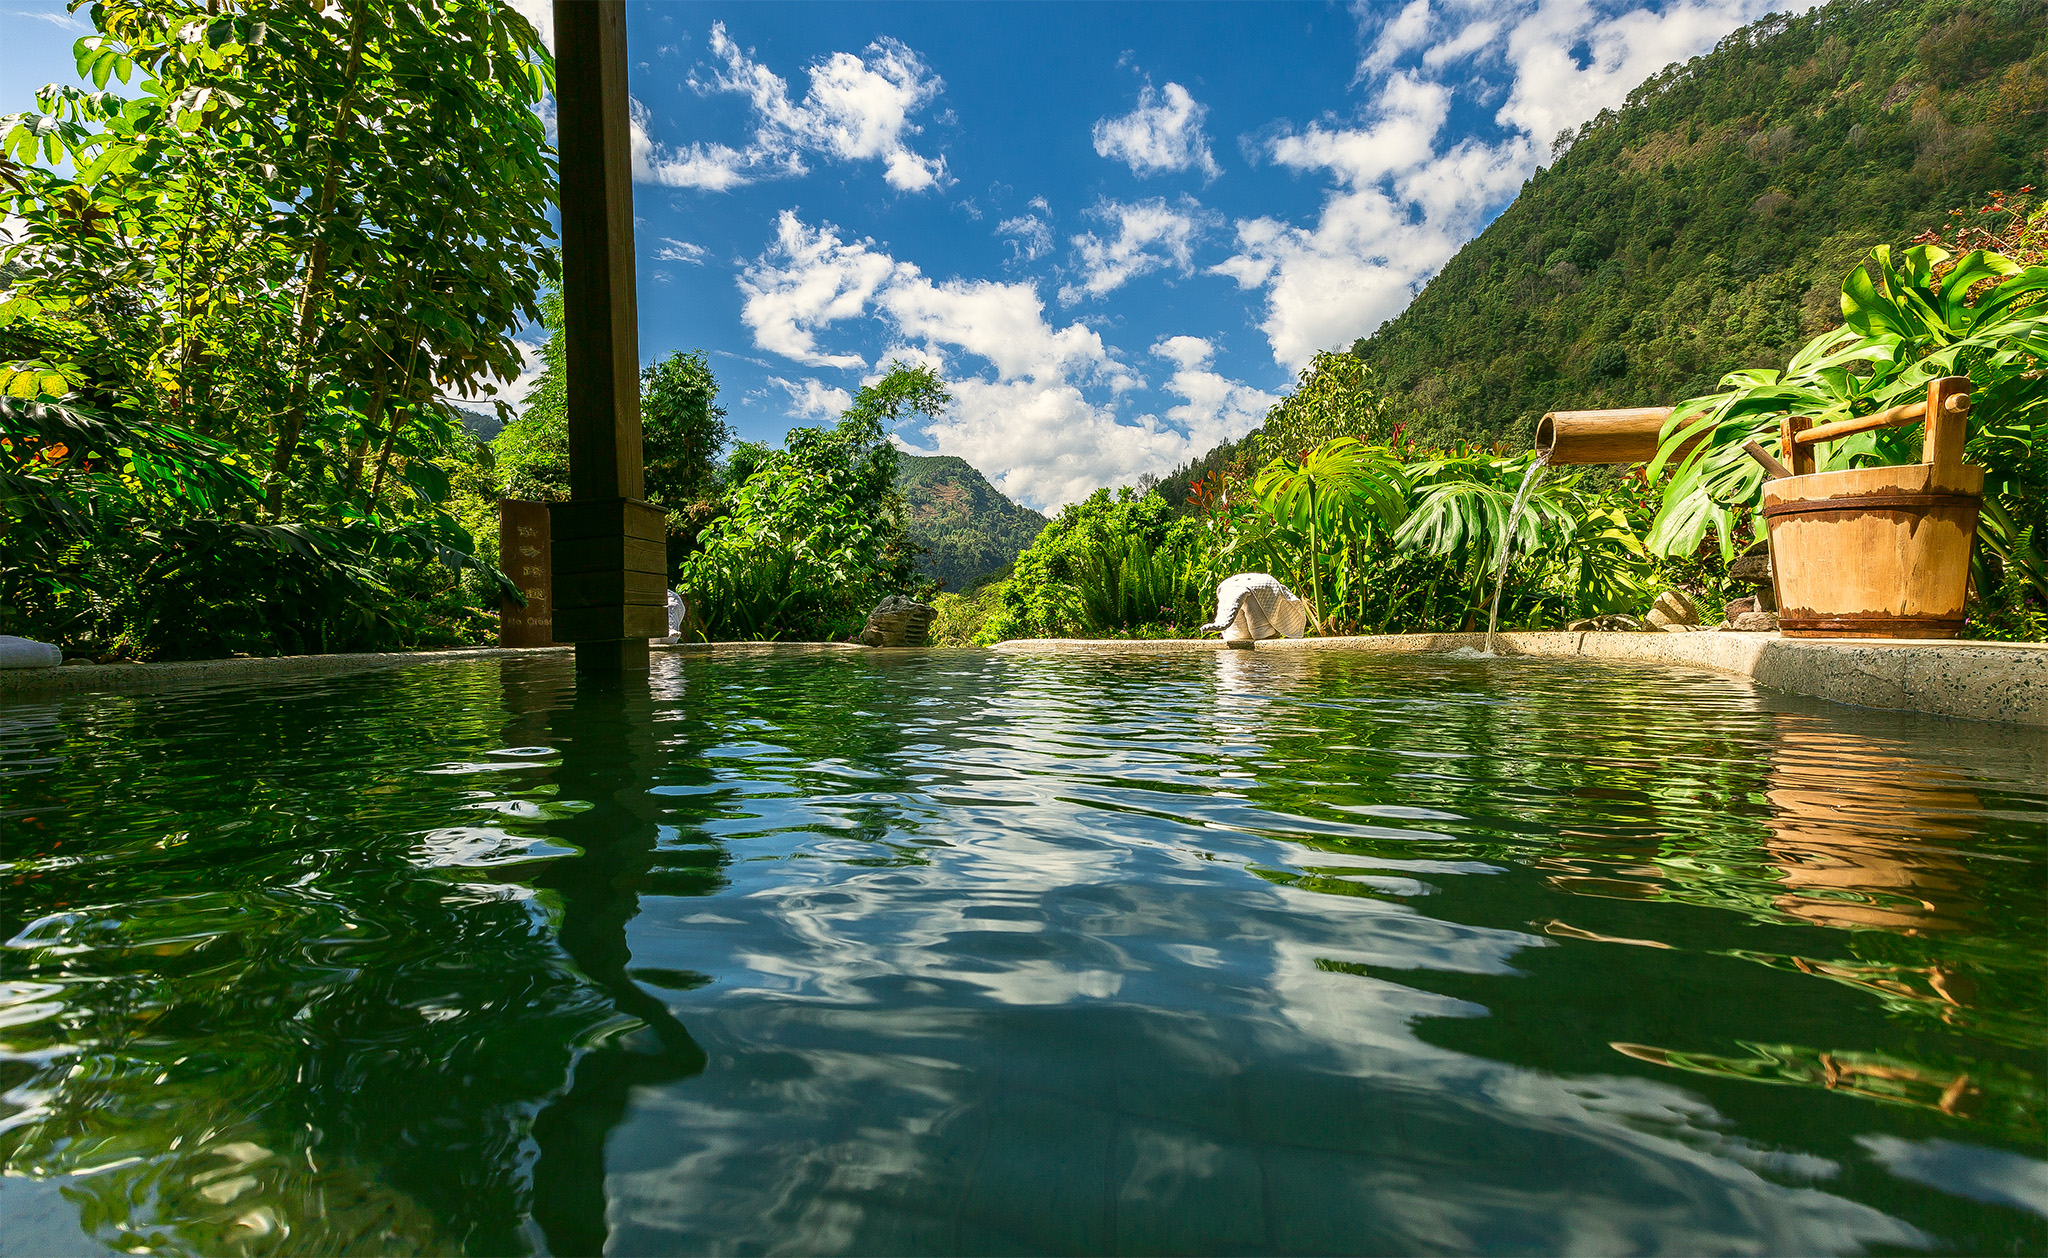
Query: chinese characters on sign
524, 555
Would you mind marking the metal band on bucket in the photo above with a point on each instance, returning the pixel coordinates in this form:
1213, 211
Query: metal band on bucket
1868, 502
1870, 625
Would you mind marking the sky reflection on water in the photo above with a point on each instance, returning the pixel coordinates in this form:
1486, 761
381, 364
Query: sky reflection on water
947, 951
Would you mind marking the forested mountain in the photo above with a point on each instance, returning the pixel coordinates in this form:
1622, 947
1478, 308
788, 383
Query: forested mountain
969, 529
1707, 224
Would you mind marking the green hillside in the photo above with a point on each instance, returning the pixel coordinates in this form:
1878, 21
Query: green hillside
969, 530
1706, 225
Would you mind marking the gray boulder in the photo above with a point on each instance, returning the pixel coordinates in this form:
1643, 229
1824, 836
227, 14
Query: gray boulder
899, 621
1752, 569
1673, 607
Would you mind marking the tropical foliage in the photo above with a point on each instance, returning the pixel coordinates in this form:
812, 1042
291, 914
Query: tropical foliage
1912, 317
1378, 539
810, 537
252, 260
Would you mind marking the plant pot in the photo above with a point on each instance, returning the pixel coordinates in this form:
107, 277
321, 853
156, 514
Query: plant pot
1873, 552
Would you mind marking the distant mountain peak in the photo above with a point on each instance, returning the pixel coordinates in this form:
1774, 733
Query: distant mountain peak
971, 532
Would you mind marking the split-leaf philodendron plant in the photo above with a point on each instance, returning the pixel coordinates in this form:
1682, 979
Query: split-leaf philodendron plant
1911, 317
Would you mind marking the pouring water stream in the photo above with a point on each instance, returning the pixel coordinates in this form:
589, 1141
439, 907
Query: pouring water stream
1530, 479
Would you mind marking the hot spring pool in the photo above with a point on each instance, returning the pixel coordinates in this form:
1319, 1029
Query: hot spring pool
958, 952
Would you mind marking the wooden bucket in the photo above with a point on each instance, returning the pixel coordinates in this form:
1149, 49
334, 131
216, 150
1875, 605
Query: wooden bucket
1877, 552
1872, 552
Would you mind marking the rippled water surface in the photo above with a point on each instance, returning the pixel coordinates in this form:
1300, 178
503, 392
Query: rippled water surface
945, 952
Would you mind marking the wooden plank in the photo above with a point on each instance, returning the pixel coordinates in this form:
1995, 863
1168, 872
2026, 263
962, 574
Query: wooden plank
600, 331
601, 624
523, 555
611, 554
1948, 427
608, 517
602, 589
1799, 454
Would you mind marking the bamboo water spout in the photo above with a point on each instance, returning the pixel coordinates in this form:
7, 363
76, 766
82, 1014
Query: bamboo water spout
1624, 436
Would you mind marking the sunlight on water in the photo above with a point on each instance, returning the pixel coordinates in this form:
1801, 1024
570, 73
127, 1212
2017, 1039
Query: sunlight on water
957, 952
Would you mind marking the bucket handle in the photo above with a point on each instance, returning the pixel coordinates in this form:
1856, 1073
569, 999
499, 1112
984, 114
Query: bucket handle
1946, 410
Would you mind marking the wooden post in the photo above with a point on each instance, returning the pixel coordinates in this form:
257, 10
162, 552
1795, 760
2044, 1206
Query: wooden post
1797, 456
523, 556
1948, 427
606, 609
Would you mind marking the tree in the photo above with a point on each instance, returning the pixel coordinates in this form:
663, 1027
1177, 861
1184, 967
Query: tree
682, 429
812, 536
1336, 395
307, 227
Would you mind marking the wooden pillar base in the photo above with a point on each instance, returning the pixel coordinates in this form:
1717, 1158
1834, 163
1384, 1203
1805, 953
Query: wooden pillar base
619, 655
610, 575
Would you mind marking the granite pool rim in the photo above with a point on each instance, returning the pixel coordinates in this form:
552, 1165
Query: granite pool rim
2003, 682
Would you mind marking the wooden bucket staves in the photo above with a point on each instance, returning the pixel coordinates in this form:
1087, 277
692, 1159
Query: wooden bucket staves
1877, 552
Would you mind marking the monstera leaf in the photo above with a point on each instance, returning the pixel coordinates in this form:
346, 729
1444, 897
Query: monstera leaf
1913, 316
1340, 485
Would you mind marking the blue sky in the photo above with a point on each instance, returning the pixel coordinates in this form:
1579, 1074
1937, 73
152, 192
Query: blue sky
1117, 229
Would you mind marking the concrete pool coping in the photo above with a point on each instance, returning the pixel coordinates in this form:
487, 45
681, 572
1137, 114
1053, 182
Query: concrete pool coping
2005, 682
134, 678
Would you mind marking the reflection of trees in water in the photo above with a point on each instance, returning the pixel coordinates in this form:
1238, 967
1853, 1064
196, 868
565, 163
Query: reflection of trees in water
253, 997
635, 756
1644, 804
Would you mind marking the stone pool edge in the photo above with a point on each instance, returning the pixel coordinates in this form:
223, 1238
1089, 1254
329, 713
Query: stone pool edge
29, 683
2005, 682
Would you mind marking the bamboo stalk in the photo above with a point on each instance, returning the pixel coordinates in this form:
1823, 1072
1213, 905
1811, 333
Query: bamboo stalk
1892, 417
1622, 436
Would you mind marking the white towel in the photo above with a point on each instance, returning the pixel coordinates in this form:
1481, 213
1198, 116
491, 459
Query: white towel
1252, 605
28, 653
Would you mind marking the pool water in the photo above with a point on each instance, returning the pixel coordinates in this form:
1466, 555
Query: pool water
944, 952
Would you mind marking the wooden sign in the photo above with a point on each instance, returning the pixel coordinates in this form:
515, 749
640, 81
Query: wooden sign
524, 555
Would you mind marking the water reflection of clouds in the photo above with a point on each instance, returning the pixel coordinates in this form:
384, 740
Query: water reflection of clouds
835, 1122
1061, 962
1007, 1064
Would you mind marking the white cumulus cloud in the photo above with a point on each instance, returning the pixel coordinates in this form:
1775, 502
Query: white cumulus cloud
1149, 236
856, 109
811, 398
1401, 196
1035, 403
1214, 408
1164, 133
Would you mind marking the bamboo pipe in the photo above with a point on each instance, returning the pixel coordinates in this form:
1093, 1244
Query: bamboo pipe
1624, 436
1894, 417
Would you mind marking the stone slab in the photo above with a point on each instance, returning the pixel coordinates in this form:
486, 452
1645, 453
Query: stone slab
30, 683
34, 683
1980, 681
